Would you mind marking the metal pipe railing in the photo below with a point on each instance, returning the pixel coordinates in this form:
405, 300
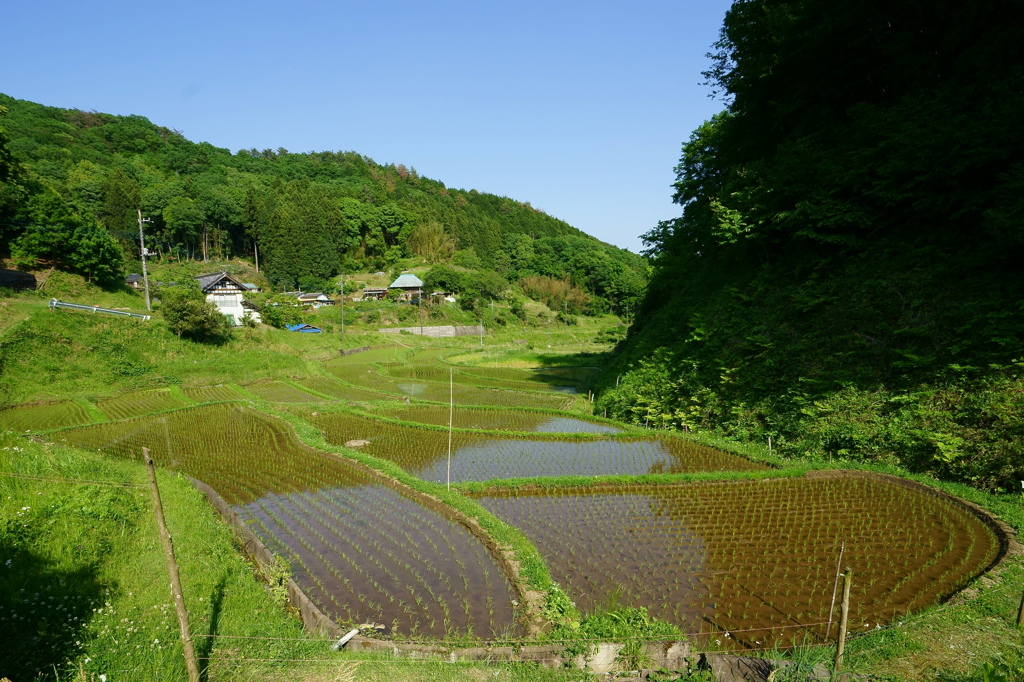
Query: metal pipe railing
54, 304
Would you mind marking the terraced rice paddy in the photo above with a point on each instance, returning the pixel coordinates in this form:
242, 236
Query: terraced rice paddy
526, 382
755, 558
281, 392
496, 420
44, 417
424, 452
362, 551
367, 376
340, 391
213, 394
134, 404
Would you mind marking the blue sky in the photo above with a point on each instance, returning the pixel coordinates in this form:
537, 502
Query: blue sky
580, 108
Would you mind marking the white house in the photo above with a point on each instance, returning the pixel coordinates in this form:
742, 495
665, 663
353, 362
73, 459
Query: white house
227, 293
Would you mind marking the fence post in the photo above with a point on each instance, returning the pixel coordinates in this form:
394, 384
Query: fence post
843, 615
172, 568
1020, 612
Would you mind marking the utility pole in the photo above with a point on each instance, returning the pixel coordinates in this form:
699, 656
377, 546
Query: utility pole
481, 332
142, 249
419, 300
343, 306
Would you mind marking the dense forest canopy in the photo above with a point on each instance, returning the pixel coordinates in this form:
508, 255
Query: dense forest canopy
305, 216
846, 272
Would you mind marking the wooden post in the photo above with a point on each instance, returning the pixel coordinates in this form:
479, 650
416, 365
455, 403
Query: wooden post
172, 568
844, 614
1020, 612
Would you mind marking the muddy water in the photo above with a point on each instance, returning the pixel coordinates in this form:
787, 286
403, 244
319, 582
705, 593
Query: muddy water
756, 559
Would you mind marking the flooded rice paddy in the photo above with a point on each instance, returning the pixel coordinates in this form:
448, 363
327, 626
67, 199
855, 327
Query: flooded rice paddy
496, 420
369, 377
361, 550
424, 452
755, 558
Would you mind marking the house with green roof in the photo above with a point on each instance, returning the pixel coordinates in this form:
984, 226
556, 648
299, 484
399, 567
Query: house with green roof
409, 285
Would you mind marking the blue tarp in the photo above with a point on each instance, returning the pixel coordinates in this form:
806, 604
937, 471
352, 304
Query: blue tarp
306, 328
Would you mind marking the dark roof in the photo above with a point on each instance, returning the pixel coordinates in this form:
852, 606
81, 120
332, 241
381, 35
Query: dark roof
16, 279
134, 277
249, 305
207, 282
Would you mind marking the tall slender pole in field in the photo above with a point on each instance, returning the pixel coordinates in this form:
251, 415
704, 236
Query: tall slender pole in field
835, 588
451, 416
172, 568
843, 616
342, 306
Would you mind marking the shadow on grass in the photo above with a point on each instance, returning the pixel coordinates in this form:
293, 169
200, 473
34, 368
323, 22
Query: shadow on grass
43, 610
205, 648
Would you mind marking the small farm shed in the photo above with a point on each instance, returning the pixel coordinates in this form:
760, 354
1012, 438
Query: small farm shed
374, 293
305, 328
251, 288
225, 292
134, 280
409, 284
17, 280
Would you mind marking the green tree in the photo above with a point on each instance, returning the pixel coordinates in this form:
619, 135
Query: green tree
12, 189
62, 237
189, 315
121, 203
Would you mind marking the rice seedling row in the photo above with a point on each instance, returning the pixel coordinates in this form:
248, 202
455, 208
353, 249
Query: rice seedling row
213, 394
281, 392
145, 402
754, 556
475, 457
364, 551
527, 382
340, 391
43, 417
496, 420
387, 354
367, 376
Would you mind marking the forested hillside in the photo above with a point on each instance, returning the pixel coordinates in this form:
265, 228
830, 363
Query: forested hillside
846, 274
71, 183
